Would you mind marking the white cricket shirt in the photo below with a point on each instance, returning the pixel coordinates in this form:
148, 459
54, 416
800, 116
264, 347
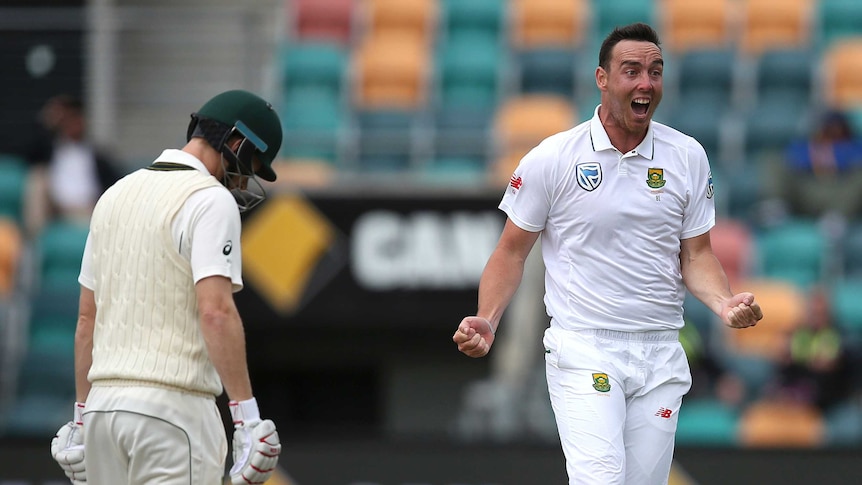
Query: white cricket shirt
612, 223
206, 231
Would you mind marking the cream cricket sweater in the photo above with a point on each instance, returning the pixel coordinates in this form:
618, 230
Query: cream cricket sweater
147, 329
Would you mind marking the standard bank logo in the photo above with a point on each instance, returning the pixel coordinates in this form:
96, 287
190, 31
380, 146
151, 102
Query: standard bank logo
589, 175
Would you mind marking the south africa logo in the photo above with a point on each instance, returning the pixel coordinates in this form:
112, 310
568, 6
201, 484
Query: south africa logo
655, 178
601, 382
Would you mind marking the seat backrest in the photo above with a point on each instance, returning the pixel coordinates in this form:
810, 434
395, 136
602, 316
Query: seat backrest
771, 24
11, 250
401, 17
548, 23
391, 71
321, 65
474, 16
686, 24
13, 184
794, 250
781, 424
846, 304
608, 15
328, 20
784, 310
842, 73
469, 68
837, 19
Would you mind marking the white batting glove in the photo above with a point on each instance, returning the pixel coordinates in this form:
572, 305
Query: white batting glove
255, 444
67, 447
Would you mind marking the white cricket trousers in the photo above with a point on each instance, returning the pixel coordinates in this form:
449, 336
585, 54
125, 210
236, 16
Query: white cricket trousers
615, 397
149, 436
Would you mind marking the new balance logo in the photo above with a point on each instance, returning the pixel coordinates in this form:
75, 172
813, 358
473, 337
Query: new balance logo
664, 413
516, 182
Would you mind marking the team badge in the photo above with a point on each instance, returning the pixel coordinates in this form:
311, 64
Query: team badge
589, 175
601, 382
655, 178
710, 189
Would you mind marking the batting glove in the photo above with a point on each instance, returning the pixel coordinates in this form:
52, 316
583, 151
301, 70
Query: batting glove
255, 444
67, 447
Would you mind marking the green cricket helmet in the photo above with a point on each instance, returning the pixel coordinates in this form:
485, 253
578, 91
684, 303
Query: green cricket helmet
246, 114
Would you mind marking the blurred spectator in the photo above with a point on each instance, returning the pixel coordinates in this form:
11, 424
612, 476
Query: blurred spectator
823, 174
815, 368
68, 171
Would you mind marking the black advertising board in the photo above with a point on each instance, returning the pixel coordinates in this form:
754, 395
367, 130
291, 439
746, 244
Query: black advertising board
385, 261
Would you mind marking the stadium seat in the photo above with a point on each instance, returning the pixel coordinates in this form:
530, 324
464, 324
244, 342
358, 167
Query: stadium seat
11, 252
777, 118
842, 73
706, 422
58, 252
318, 65
837, 19
484, 17
844, 424
548, 71
851, 250
405, 18
469, 70
846, 300
786, 70
391, 72
314, 124
521, 122
732, 243
707, 70
771, 24
687, 25
44, 395
769, 424
608, 15
321, 20
13, 185
794, 251
386, 140
784, 310
707, 130
549, 23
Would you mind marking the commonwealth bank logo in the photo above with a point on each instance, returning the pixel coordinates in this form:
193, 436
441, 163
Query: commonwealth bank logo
290, 251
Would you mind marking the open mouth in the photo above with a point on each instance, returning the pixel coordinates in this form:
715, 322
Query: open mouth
640, 106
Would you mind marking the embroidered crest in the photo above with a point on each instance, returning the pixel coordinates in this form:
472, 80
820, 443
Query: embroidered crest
710, 189
589, 175
655, 178
601, 382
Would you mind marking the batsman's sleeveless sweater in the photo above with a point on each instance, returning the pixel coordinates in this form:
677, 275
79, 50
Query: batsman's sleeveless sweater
147, 329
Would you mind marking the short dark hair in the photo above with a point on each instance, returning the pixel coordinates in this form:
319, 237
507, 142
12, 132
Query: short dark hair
635, 31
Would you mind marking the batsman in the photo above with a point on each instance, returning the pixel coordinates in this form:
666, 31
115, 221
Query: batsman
158, 334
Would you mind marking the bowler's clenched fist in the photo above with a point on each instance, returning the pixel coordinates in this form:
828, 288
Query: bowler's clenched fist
474, 336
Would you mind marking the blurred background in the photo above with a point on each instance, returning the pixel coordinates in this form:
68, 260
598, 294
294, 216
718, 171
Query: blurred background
403, 121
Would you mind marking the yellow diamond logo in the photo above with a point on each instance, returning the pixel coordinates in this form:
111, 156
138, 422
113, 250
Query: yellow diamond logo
281, 247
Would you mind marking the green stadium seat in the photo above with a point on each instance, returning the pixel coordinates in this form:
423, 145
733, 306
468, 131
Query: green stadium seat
608, 15
787, 70
794, 251
548, 70
706, 422
486, 17
13, 184
314, 122
838, 19
777, 118
851, 251
59, 249
846, 299
318, 65
469, 68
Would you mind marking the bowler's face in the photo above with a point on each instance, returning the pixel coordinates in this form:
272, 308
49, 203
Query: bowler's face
632, 85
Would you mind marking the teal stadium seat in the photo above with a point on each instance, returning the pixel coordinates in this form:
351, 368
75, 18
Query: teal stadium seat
788, 70
846, 299
838, 19
59, 249
13, 184
608, 15
851, 250
484, 17
45, 393
314, 122
706, 422
318, 65
777, 118
794, 251
549, 71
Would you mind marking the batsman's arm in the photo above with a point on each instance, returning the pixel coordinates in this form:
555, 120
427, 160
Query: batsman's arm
84, 342
223, 333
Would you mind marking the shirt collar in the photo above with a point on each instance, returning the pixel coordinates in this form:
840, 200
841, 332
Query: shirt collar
178, 156
601, 141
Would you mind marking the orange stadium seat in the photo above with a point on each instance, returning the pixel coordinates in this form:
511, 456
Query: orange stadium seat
522, 122
406, 17
330, 20
549, 23
773, 24
842, 68
784, 309
781, 424
11, 249
688, 24
391, 71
